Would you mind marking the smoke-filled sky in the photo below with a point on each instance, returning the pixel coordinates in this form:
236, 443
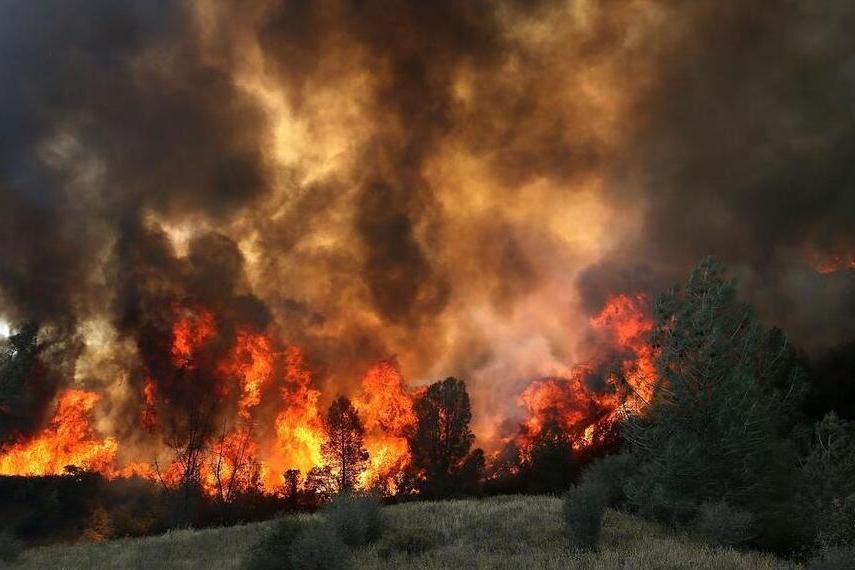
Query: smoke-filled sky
460, 184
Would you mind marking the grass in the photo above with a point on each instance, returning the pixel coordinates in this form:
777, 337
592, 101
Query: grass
501, 532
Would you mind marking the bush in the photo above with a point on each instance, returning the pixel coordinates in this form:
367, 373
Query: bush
358, 519
837, 524
584, 507
611, 472
651, 501
411, 542
719, 523
273, 551
836, 558
10, 546
319, 547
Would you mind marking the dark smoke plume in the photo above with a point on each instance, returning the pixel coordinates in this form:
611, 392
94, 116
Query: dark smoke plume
459, 183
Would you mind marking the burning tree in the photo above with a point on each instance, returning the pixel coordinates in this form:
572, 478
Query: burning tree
344, 449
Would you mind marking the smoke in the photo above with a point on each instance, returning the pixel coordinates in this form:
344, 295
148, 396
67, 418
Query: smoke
460, 184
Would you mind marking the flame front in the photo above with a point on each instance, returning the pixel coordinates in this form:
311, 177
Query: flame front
67, 440
270, 411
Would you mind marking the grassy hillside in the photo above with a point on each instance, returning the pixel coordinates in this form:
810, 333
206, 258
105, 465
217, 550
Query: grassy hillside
503, 532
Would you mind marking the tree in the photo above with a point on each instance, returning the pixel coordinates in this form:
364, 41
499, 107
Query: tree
442, 438
716, 427
23, 390
343, 449
829, 482
551, 467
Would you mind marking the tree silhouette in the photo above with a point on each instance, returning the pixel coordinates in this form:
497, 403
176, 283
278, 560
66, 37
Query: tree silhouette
551, 467
24, 387
343, 449
442, 438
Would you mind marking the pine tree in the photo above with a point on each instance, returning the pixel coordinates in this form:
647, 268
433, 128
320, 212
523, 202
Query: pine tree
442, 438
343, 449
715, 429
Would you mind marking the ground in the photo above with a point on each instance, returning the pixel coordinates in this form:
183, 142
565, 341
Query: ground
502, 532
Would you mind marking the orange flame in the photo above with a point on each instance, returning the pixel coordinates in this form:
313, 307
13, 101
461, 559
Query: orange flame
386, 410
67, 440
577, 407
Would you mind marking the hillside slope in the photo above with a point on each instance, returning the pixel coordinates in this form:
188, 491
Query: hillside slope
501, 532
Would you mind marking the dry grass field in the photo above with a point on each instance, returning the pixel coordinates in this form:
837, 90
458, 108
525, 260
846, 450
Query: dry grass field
502, 532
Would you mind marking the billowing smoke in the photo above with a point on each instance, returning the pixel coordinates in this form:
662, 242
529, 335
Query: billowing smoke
460, 184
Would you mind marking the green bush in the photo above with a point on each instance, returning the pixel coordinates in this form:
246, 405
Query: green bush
358, 519
273, 551
611, 472
10, 546
319, 547
584, 507
719, 523
835, 558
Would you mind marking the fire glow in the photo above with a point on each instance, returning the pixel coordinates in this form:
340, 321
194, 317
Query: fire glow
274, 418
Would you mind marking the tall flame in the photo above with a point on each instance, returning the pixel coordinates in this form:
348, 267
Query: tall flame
386, 409
67, 440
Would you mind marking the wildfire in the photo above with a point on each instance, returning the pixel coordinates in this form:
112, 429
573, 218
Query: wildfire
67, 440
386, 409
299, 426
189, 333
625, 318
269, 413
590, 399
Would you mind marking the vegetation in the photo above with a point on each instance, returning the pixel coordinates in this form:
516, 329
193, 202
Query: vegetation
319, 547
584, 507
723, 453
719, 523
718, 427
500, 532
24, 383
611, 473
358, 519
10, 546
344, 450
273, 550
442, 440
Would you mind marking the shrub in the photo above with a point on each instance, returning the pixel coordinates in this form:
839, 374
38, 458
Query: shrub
836, 558
319, 547
719, 523
837, 524
358, 519
611, 472
10, 546
651, 501
584, 507
273, 551
411, 542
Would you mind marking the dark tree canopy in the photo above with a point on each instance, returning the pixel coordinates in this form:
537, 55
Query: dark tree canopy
728, 392
442, 438
343, 450
551, 467
24, 392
